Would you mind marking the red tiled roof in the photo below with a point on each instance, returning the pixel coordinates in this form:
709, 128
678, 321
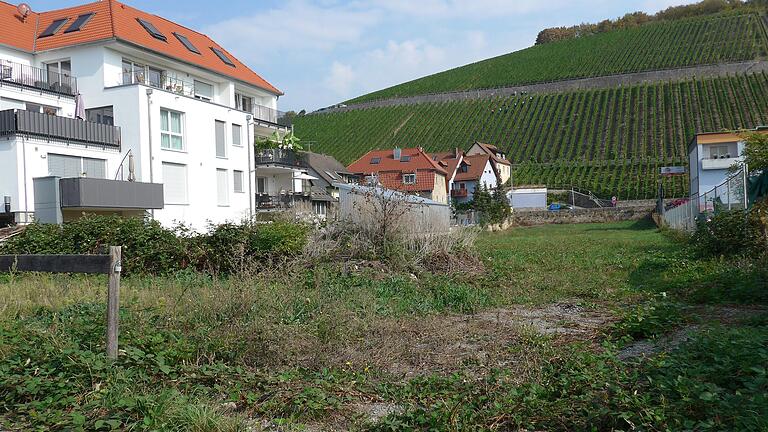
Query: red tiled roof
115, 20
418, 161
475, 167
425, 181
491, 150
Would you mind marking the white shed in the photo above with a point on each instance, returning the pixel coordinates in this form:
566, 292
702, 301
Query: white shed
530, 198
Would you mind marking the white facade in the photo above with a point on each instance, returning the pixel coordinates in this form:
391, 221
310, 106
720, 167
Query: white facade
710, 159
168, 121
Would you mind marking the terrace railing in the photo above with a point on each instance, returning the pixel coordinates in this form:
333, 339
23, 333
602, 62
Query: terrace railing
156, 80
277, 157
272, 116
55, 127
37, 78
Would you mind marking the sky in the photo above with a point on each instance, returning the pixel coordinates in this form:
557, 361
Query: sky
322, 52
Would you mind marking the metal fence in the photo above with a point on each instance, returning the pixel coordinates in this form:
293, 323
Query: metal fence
58, 128
37, 78
731, 194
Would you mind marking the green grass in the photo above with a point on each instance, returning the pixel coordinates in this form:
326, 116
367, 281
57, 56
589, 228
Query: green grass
300, 345
727, 37
610, 141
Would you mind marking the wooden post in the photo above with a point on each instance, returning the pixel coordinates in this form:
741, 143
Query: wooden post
113, 300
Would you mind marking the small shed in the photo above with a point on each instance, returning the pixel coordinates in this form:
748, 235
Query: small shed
528, 198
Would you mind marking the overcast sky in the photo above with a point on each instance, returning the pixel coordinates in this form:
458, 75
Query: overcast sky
325, 51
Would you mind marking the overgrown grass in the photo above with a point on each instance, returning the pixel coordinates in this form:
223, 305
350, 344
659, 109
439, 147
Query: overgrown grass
298, 344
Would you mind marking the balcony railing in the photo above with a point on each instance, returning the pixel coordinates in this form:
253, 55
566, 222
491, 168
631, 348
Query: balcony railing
37, 78
158, 80
459, 193
278, 157
271, 116
282, 201
62, 128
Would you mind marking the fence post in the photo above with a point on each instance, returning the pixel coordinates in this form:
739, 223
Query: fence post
113, 300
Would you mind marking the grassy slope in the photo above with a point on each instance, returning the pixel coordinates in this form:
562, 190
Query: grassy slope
190, 343
611, 141
711, 39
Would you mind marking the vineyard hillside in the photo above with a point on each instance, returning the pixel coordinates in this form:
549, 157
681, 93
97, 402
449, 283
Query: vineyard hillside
714, 39
611, 141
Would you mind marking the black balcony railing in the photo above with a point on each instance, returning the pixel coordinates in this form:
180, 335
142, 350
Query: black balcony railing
62, 128
278, 157
37, 78
283, 201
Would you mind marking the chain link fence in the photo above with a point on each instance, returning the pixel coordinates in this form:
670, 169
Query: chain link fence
731, 194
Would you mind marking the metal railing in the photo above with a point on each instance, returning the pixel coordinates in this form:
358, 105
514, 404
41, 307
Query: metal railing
728, 195
282, 201
277, 157
271, 115
158, 80
37, 78
55, 127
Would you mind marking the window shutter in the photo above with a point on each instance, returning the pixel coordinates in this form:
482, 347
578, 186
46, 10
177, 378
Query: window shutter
237, 138
95, 168
175, 183
238, 181
221, 186
203, 90
221, 138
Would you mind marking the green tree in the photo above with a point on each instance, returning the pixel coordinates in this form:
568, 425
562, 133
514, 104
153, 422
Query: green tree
756, 151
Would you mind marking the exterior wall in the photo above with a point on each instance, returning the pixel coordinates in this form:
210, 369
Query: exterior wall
704, 180
15, 56
22, 159
439, 193
488, 178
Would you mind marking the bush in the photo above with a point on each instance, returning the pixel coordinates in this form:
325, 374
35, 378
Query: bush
150, 248
735, 232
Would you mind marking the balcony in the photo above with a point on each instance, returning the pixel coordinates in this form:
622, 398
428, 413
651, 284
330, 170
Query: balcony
718, 164
281, 202
159, 81
58, 128
271, 116
287, 158
26, 76
459, 193
95, 193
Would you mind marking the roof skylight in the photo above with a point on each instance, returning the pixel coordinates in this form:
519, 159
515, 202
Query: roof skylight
185, 41
80, 22
54, 27
222, 56
376, 160
152, 30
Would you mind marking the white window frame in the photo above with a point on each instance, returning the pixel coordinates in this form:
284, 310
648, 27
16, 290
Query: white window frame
264, 190
207, 98
235, 175
171, 133
222, 201
407, 177
239, 135
184, 201
223, 136
719, 155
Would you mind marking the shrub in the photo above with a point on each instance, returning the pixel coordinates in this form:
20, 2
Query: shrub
150, 248
735, 232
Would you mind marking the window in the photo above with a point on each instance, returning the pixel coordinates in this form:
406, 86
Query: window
79, 22
171, 135
243, 103
223, 57
222, 188
221, 139
331, 175
53, 27
76, 166
409, 179
184, 41
719, 152
104, 115
237, 135
203, 91
152, 30
464, 168
59, 72
42, 109
133, 72
238, 181
376, 160
405, 159
175, 183
261, 185
155, 76
319, 207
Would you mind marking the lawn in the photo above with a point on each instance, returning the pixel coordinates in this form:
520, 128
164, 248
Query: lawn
549, 332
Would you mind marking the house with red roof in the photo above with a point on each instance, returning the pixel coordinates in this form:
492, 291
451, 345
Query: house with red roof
106, 91
501, 165
408, 170
467, 173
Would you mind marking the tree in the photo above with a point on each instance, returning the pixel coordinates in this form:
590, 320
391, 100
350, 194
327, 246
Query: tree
756, 151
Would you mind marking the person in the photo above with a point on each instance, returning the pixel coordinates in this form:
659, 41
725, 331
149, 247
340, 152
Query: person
614, 201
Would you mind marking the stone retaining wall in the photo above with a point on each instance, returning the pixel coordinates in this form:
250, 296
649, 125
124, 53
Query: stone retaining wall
544, 217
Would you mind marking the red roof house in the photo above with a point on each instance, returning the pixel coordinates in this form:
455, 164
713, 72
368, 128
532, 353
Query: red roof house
407, 170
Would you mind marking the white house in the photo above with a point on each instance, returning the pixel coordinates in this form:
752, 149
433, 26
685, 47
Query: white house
184, 108
467, 173
710, 157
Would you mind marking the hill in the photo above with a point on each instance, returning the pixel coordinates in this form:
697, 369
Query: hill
720, 38
608, 140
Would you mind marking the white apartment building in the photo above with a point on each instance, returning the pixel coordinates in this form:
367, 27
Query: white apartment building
184, 108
